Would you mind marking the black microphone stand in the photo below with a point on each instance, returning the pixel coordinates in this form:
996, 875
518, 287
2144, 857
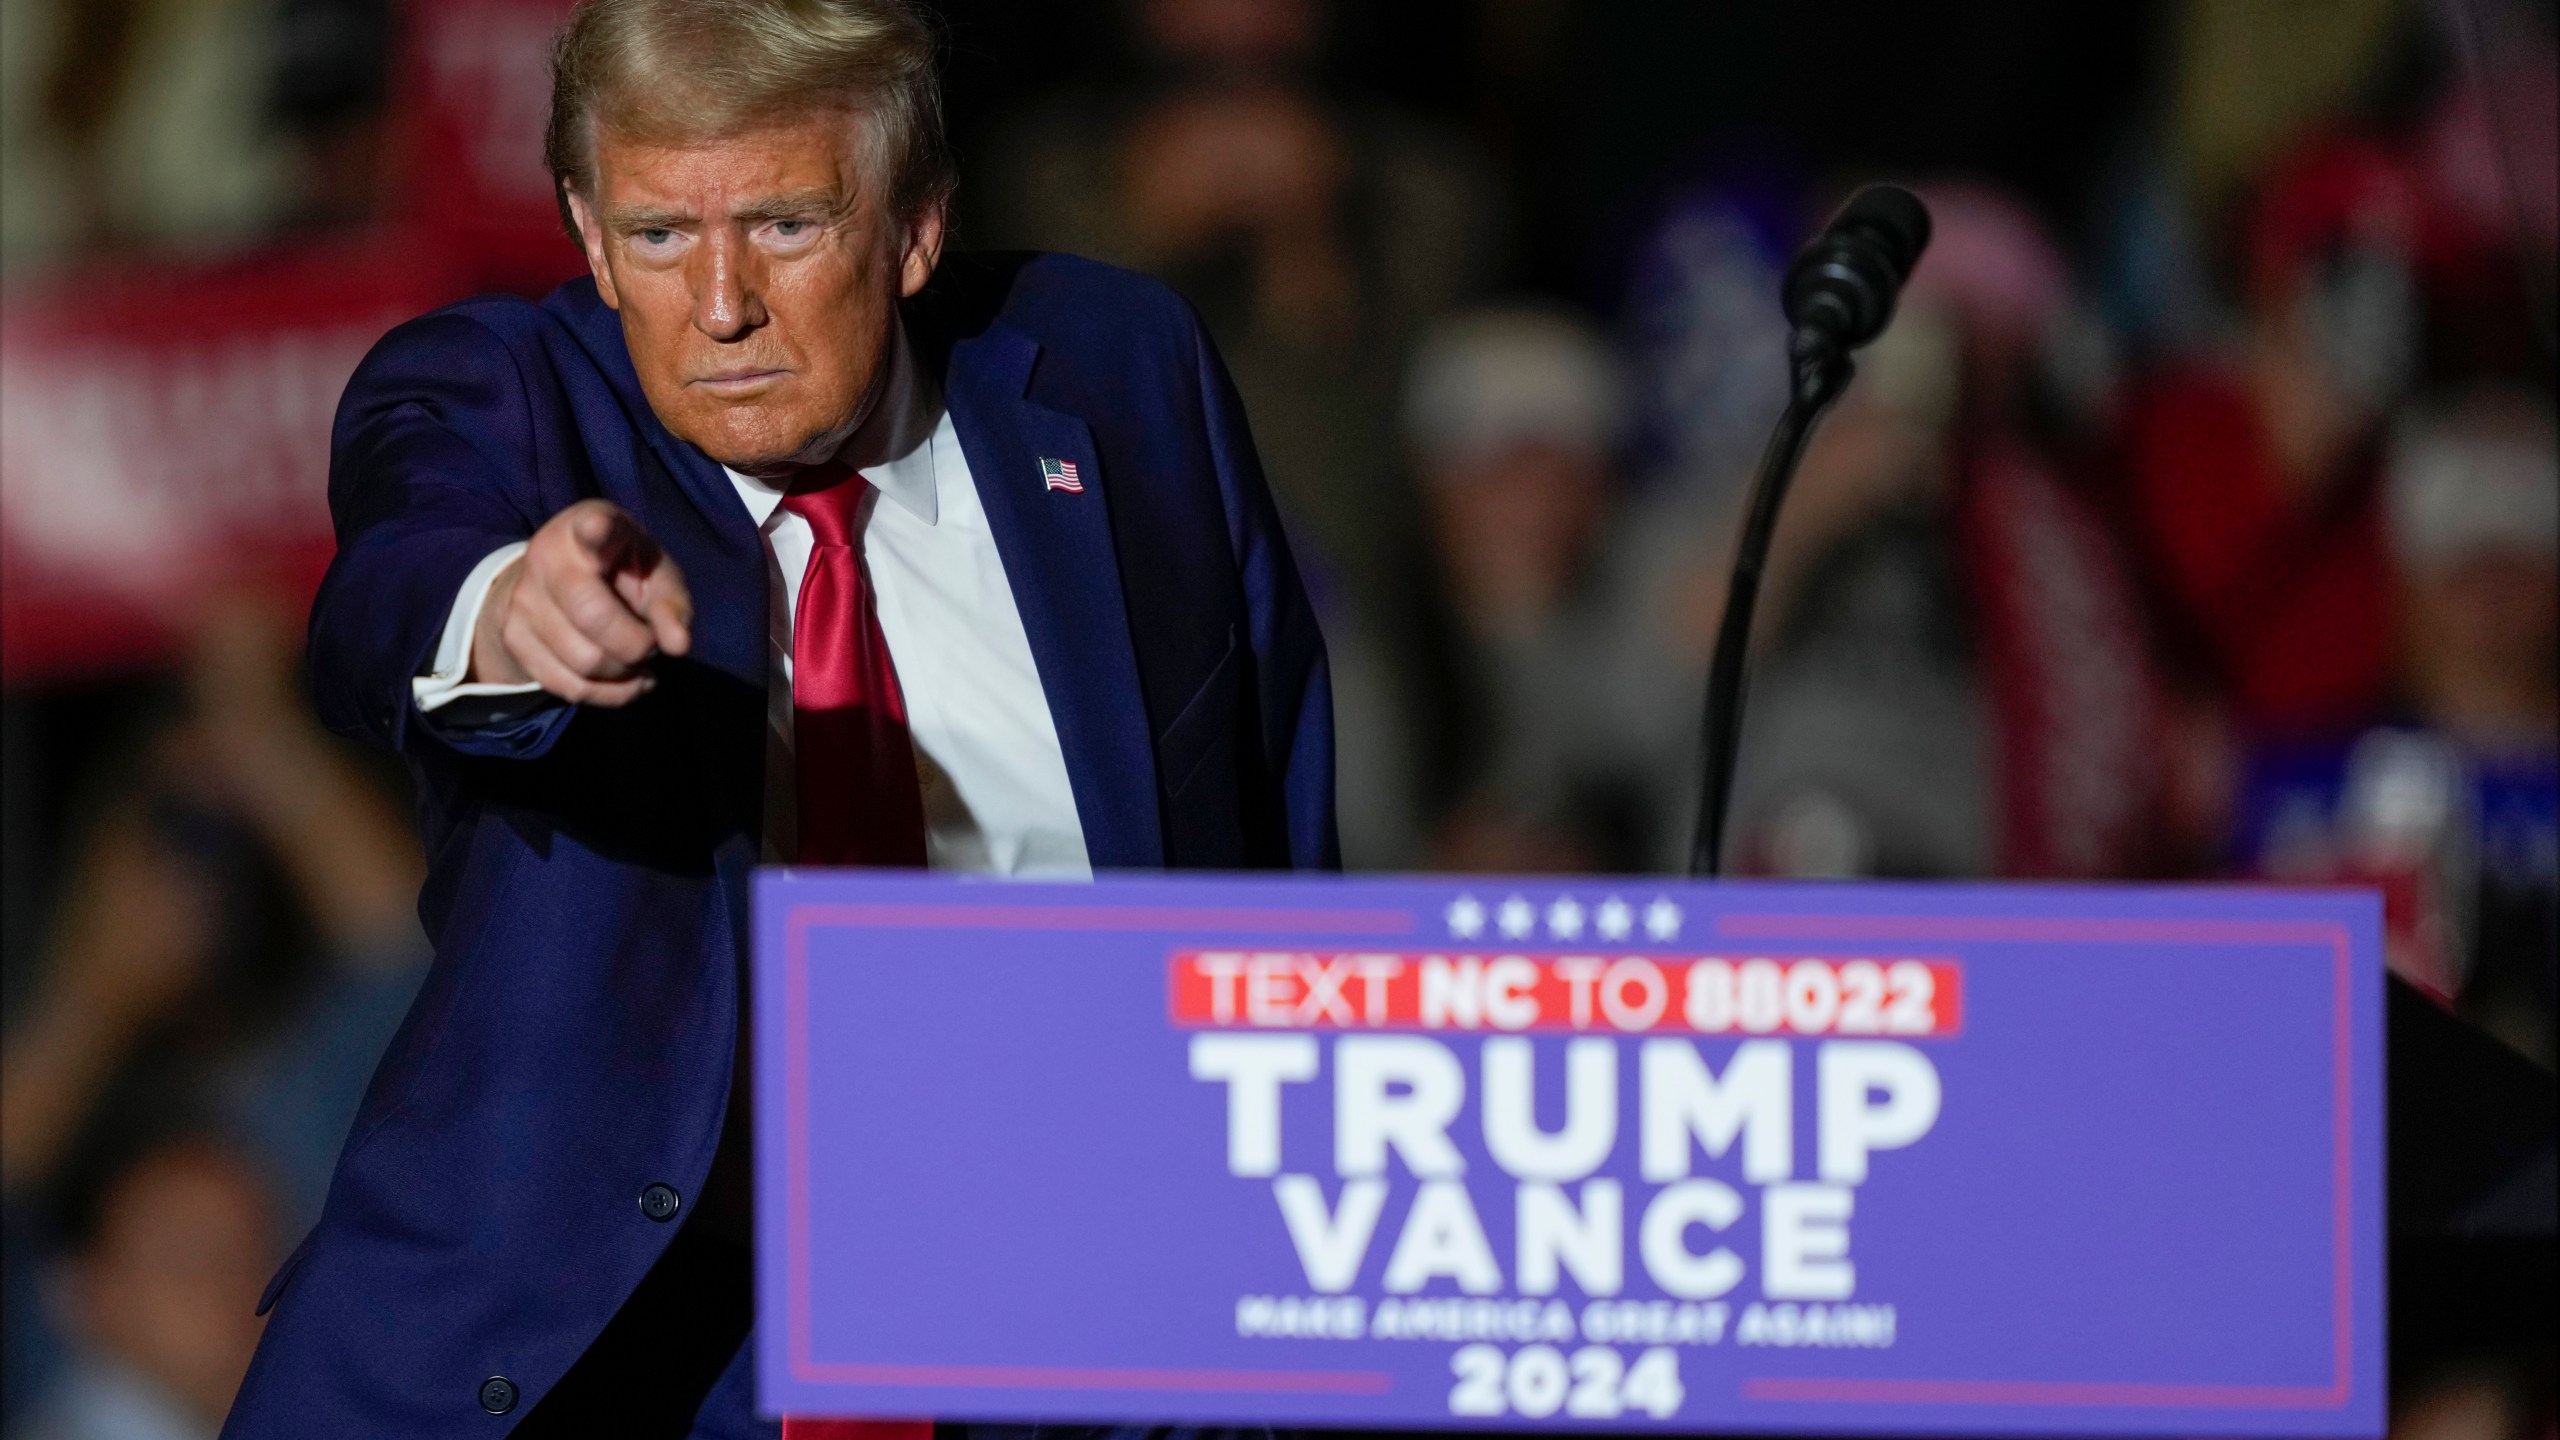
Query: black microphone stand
1839, 295
1822, 371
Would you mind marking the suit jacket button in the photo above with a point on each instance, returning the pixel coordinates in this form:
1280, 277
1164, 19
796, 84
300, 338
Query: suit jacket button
660, 1202
497, 1394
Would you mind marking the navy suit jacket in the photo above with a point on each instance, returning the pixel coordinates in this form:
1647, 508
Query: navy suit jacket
587, 868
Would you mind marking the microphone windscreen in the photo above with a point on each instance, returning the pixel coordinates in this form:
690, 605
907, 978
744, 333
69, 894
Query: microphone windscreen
1895, 217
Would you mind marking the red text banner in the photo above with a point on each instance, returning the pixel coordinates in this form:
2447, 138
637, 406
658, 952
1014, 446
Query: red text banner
1904, 996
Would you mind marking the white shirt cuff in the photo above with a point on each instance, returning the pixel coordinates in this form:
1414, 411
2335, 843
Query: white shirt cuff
443, 683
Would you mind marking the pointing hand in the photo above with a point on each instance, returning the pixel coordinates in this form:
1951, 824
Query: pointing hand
584, 609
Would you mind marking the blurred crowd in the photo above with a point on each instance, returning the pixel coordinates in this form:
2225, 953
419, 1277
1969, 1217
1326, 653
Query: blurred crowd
234, 942
2197, 518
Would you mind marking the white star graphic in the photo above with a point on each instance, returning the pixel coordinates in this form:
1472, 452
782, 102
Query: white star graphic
1466, 917
1564, 918
1614, 919
1662, 920
1517, 917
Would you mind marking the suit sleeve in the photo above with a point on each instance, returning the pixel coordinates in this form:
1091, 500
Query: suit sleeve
1293, 685
431, 468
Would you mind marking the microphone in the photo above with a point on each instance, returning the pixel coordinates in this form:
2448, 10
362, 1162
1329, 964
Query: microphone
1838, 295
1840, 288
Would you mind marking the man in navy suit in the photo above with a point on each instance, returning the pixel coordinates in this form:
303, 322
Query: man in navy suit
774, 541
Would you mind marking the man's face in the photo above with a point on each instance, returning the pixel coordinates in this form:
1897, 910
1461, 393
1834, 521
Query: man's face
756, 276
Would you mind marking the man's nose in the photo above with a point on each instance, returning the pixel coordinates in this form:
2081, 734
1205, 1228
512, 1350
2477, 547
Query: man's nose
728, 294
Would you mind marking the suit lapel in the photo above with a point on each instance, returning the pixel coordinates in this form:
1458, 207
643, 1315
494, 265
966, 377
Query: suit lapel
1064, 568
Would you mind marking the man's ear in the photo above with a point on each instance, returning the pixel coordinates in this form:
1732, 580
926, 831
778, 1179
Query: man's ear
924, 248
591, 240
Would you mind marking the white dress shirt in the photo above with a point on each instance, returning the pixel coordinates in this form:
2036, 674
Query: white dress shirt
996, 796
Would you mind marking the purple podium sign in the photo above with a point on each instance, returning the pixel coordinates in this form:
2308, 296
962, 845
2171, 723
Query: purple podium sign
1566, 1154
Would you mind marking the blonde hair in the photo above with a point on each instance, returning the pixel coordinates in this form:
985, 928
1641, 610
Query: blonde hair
683, 70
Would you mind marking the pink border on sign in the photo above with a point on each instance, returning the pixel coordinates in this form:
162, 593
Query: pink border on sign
1899, 929
800, 919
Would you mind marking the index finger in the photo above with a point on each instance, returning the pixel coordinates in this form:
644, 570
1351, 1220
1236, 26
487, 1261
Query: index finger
661, 599
611, 535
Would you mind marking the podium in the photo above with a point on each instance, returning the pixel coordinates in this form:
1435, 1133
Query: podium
1606, 1154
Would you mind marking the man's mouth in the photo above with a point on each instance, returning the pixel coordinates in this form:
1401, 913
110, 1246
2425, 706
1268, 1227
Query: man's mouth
738, 384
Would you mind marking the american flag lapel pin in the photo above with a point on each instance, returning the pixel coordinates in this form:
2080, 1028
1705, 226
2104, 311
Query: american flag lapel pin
1061, 475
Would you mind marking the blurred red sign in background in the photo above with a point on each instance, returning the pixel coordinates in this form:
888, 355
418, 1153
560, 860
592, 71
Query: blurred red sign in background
164, 425
471, 98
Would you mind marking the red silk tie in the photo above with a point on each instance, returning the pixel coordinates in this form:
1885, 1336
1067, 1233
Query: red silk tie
854, 763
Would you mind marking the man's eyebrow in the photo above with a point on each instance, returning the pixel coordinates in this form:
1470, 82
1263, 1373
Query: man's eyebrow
628, 218
797, 205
